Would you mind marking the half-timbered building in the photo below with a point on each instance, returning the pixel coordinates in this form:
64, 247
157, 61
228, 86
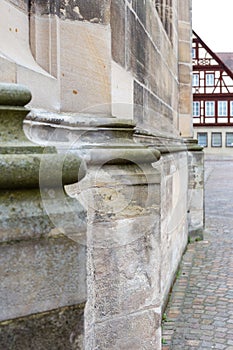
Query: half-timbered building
212, 99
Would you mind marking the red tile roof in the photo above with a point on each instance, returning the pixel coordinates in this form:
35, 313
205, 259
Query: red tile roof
227, 58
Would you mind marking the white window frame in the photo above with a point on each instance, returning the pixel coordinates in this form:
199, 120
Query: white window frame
231, 108
222, 108
209, 108
196, 108
209, 79
229, 134
213, 139
195, 81
193, 52
202, 135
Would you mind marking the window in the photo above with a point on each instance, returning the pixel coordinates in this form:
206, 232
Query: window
209, 108
196, 109
202, 139
216, 140
193, 52
222, 108
229, 139
209, 78
195, 79
231, 108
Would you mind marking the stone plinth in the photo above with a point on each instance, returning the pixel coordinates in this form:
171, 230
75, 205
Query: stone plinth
136, 206
123, 241
121, 195
41, 270
196, 190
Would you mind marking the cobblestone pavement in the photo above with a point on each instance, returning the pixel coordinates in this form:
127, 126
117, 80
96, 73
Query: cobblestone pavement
199, 314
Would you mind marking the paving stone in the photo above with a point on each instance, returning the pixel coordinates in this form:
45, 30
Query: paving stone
220, 346
201, 302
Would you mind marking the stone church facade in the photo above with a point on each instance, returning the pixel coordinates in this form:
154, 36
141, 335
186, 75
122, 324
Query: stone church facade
102, 182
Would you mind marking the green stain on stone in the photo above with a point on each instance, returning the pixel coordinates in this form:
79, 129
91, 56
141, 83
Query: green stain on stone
14, 95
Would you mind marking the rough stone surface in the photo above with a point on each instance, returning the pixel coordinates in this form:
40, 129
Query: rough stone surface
137, 223
121, 225
11, 134
138, 22
89, 60
14, 95
41, 270
118, 23
185, 67
25, 171
22, 4
137, 331
55, 330
41, 275
174, 178
196, 194
7, 70
131, 24
82, 10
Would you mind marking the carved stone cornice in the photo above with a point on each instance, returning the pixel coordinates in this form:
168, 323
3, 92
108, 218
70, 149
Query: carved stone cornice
192, 145
20, 158
96, 140
27, 167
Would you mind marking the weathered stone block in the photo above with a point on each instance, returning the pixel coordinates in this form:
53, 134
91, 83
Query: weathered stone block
7, 70
133, 282
184, 101
44, 88
134, 331
184, 73
157, 114
41, 275
186, 125
22, 4
122, 92
196, 173
140, 7
138, 103
196, 194
96, 11
185, 31
118, 19
85, 69
184, 51
52, 330
24, 215
174, 224
154, 79
136, 53
184, 12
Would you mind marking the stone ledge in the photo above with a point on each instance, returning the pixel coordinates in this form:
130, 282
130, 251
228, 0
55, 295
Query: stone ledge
14, 95
29, 170
57, 329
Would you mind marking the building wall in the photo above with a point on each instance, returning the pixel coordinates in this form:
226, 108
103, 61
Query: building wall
185, 124
224, 147
91, 64
76, 54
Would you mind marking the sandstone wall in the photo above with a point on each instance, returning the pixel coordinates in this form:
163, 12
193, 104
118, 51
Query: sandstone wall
120, 58
113, 80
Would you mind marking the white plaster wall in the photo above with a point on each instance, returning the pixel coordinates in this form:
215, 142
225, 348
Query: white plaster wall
228, 151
